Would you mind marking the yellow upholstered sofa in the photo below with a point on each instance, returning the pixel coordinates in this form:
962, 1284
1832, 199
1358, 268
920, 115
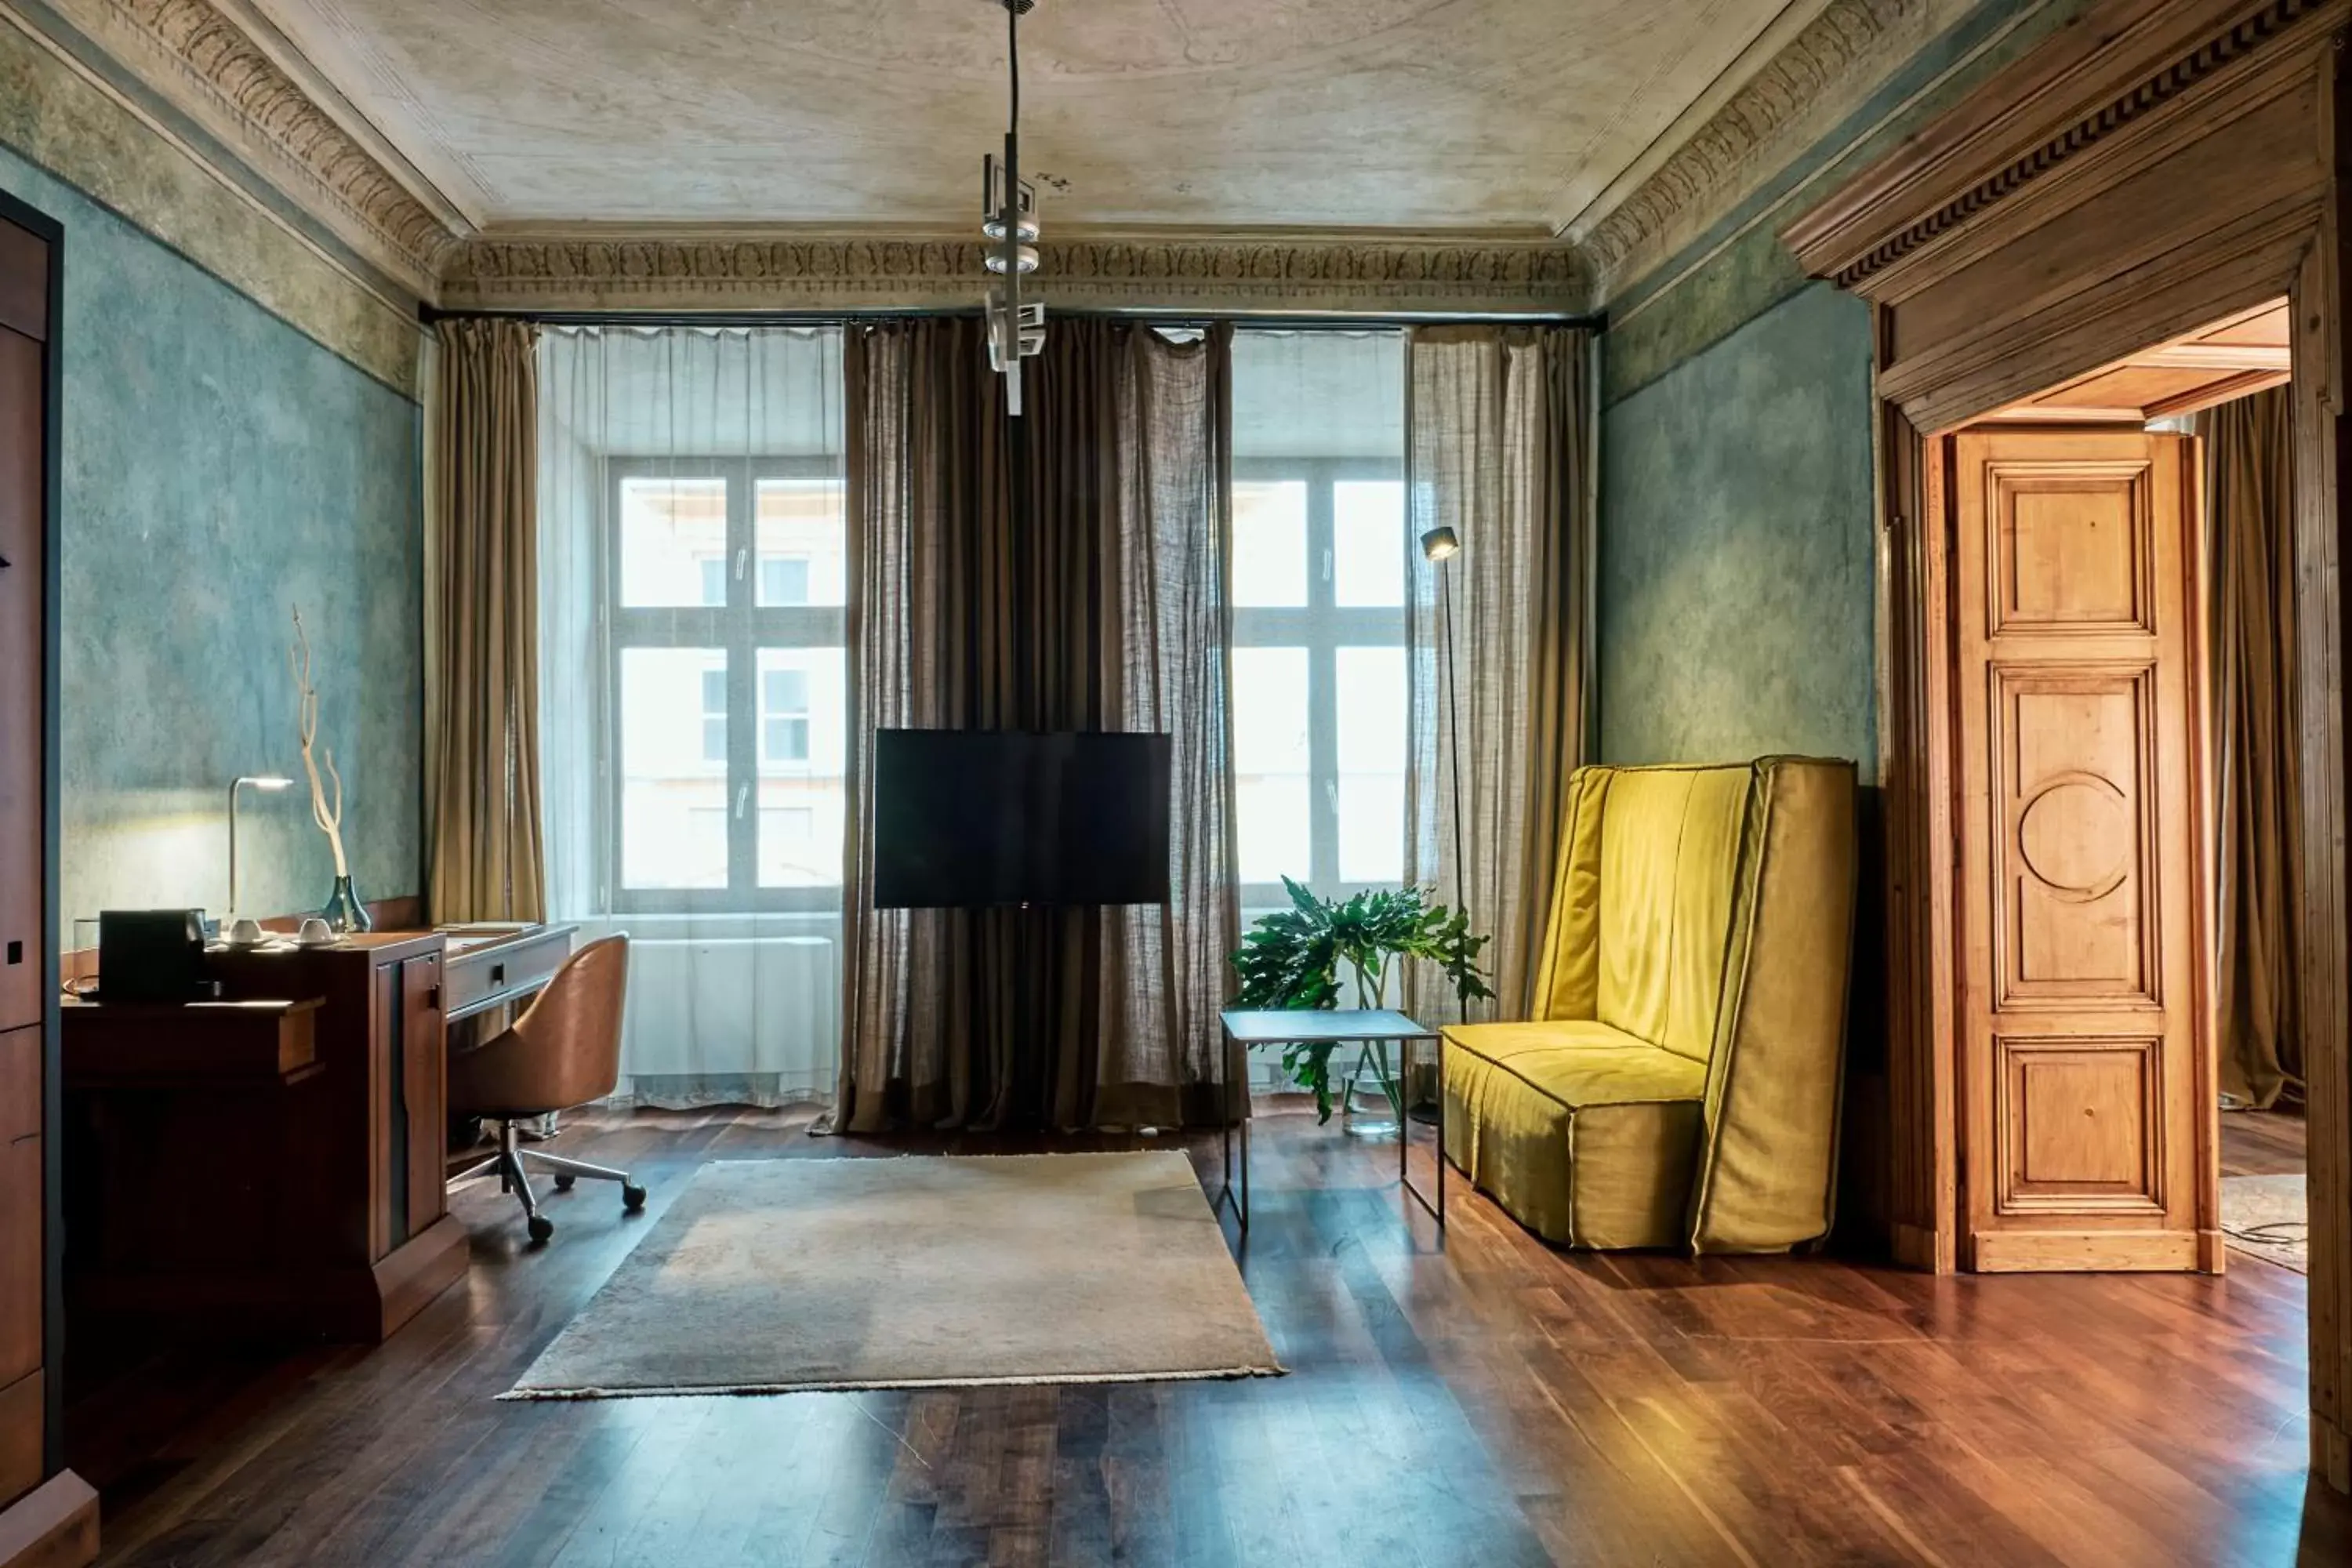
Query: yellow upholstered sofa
1681, 1085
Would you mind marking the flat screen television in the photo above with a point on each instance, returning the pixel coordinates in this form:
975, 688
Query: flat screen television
978, 819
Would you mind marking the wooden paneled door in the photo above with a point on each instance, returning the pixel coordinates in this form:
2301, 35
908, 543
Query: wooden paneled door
2089, 1111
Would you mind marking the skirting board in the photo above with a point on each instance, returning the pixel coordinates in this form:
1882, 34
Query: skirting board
2065, 1251
55, 1525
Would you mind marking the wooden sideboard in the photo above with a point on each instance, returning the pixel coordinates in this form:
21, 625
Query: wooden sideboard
47, 1515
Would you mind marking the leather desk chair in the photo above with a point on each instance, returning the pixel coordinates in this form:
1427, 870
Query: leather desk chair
565, 1050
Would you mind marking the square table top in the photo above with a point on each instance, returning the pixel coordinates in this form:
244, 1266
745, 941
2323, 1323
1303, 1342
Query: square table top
1281, 1027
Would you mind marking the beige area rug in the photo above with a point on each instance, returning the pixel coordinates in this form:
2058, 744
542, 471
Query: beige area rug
2265, 1216
770, 1276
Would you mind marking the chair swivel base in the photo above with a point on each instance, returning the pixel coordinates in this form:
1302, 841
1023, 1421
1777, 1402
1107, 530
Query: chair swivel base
512, 1161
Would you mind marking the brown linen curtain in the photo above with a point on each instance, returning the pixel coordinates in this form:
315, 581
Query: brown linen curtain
482, 609
1097, 601
2250, 446
1497, 422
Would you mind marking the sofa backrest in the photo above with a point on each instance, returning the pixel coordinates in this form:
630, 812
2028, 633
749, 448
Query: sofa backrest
1768, 1157
1642, 906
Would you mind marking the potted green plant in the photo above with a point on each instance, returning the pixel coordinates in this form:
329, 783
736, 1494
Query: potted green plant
1293, 958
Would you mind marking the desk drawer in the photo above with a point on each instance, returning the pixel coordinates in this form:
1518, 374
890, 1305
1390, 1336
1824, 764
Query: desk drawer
468, 978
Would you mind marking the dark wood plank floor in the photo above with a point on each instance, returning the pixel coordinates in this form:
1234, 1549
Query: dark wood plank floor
1491, 1402
2262, 1143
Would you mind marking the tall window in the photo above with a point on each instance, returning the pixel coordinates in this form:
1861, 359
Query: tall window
729, 702
1320, 581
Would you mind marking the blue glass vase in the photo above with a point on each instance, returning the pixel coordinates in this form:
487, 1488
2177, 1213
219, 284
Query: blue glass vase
344, 914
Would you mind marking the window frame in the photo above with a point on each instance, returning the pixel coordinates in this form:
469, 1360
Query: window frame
1323, 626
740, 629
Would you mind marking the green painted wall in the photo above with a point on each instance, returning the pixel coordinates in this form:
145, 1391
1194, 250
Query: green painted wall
1735, 610
220, 469
1736, 581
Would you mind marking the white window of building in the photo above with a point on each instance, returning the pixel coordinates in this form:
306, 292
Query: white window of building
1319, 570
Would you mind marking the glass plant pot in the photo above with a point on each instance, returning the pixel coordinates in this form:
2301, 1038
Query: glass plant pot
1368, 1108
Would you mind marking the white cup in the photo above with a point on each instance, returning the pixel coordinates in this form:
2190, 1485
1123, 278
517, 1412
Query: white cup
243, 932
314, 933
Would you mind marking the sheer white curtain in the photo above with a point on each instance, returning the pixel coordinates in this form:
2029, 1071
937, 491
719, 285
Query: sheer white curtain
1321, 564
1498, 433
691, 576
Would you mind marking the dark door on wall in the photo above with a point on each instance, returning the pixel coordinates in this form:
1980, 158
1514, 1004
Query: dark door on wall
25, 1392
24, 322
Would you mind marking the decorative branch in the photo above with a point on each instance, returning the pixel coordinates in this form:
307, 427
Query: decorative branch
329, 819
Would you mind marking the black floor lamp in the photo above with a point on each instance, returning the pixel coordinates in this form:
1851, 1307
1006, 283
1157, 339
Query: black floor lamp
1438, 546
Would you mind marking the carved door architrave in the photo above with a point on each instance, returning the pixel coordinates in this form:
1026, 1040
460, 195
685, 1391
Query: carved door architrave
2153, 166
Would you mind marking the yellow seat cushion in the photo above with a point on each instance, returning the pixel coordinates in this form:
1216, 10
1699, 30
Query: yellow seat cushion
1587, 1134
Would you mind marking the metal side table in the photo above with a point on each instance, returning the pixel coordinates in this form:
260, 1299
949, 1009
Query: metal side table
1380, 1028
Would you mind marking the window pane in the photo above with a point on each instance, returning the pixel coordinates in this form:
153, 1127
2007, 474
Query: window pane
1368, 542
1370, 690
1270, 543
673, 542
802, 541
1271, 763
803, 714
673, 787
785, 579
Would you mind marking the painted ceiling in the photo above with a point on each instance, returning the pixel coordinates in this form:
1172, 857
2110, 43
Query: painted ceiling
1495, 115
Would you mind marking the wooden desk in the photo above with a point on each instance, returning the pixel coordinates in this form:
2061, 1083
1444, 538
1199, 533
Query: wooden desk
201, 1163
273, 1163
303, 1204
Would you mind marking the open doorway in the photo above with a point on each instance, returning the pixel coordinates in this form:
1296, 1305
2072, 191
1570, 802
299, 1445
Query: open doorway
2121, 652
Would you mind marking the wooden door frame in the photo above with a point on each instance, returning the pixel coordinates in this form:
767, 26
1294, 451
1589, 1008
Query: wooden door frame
2150, 167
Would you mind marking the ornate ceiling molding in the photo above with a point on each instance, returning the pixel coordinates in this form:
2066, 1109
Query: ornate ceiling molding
1798, 96
1290, 274
204, 63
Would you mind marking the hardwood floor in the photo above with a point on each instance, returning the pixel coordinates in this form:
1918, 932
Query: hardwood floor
1491, 1403
2262, 1143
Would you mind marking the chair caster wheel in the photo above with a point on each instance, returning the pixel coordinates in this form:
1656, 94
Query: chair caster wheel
632, 1198
541, 1227
563, 1181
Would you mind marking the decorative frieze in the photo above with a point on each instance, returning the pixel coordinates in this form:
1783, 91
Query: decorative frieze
819, 272
204, 63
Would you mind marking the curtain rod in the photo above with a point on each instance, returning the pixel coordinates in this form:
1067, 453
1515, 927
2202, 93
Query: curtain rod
1324, 320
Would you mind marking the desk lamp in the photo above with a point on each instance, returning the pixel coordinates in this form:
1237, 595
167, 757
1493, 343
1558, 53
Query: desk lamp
230, 921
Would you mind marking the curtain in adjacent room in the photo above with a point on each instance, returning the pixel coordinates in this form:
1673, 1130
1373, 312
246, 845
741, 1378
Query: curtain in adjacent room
1496, 423
2250, 448
482, 698
692, 552
1095, 599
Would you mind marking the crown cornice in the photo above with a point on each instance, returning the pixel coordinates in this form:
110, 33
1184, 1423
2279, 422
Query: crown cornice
1796, 96
204, 63
738, 271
